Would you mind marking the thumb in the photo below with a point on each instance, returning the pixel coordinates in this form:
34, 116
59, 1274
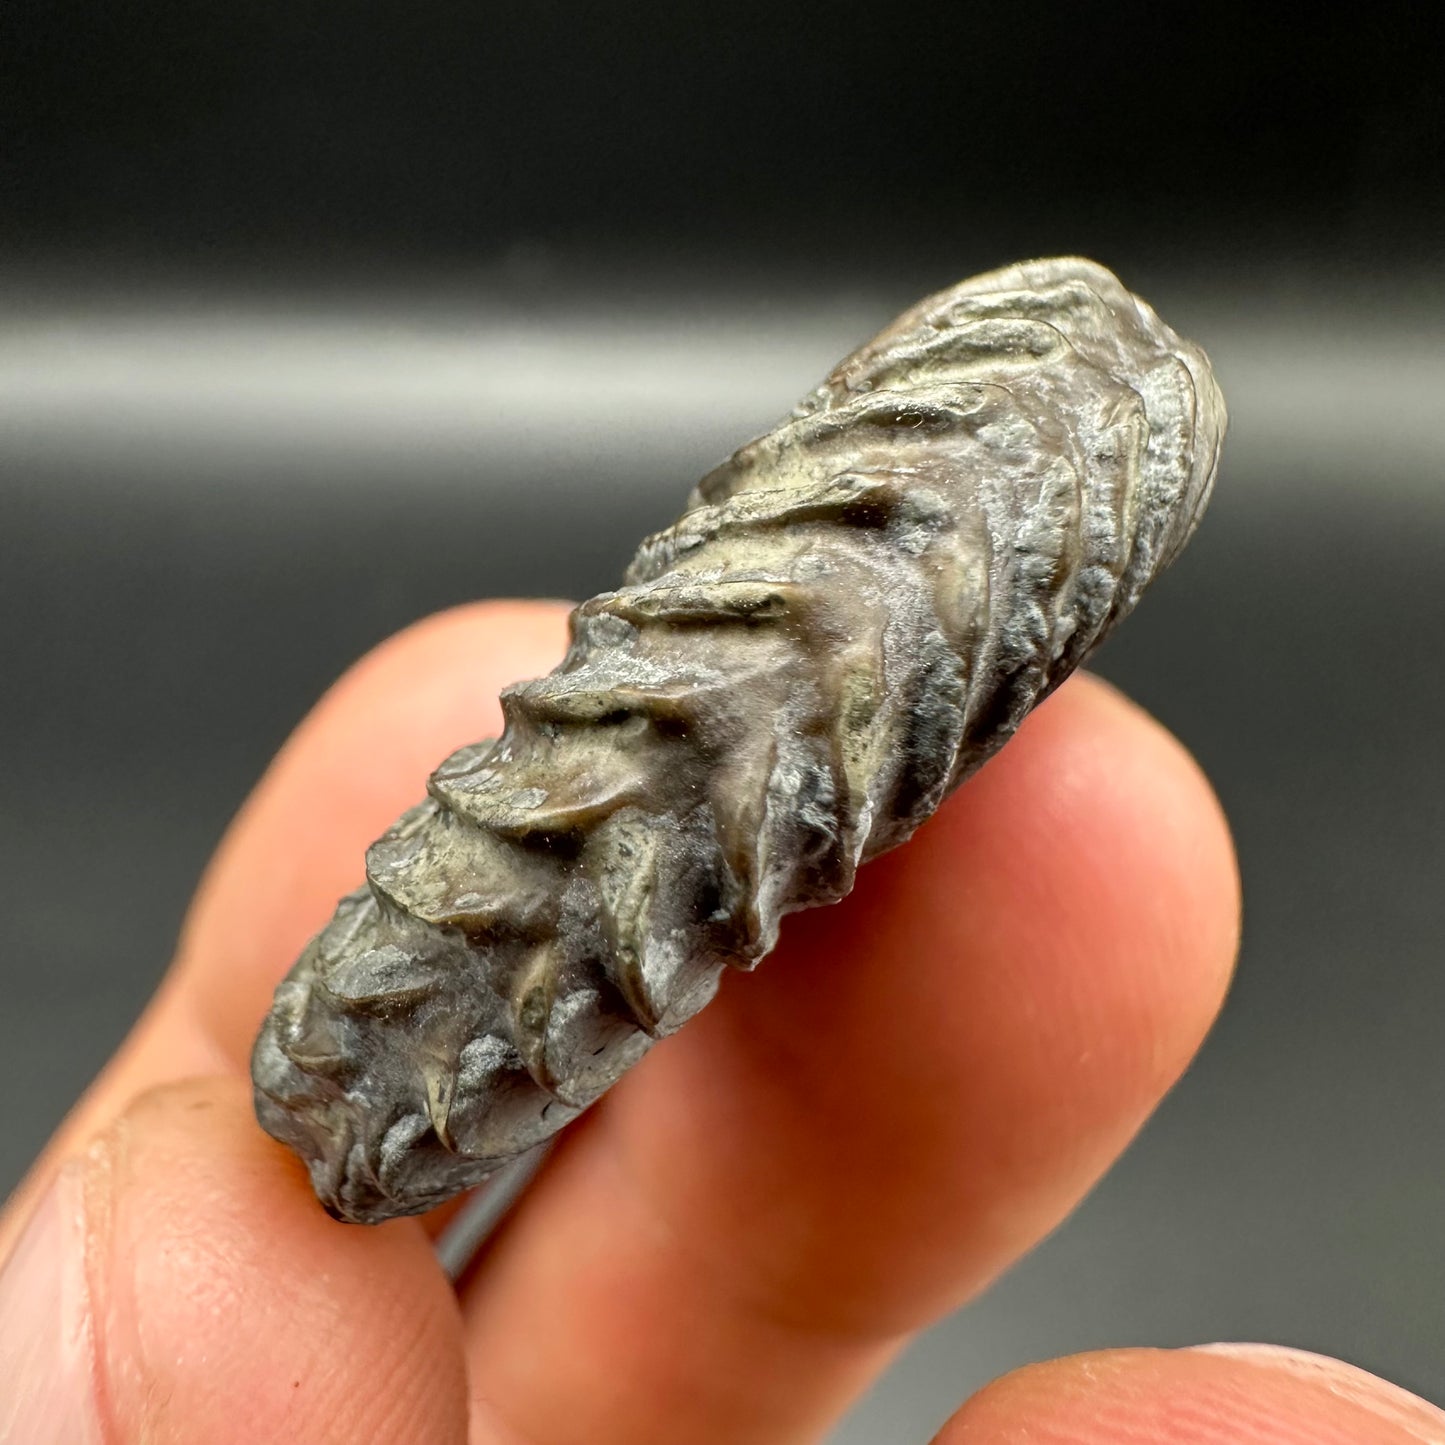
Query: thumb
1209, 1395
176, 1282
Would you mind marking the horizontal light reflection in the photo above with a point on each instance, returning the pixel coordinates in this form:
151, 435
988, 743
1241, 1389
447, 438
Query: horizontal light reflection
173, 382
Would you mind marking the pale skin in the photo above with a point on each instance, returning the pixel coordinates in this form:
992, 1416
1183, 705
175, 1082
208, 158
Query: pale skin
848, 1144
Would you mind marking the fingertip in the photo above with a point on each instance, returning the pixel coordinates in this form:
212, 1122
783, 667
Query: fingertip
230, 1308
1075, 1399
1193, 1397
1097, 849
364, 751
1059, 938
489, 643
1341, 1380
1152, 859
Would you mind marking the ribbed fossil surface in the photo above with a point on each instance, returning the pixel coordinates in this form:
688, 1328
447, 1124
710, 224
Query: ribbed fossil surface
852, 615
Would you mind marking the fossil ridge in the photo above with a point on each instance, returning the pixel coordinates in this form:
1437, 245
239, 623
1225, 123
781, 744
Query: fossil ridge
853, 613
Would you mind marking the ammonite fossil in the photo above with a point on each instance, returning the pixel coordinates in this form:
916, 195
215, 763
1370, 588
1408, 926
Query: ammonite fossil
853, 613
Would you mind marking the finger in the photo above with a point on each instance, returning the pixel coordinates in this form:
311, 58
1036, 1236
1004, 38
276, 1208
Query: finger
918, 1086
177, 1282
1220, 1395
358, 760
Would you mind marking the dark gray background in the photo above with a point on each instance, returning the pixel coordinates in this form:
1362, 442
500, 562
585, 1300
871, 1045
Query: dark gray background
284, 293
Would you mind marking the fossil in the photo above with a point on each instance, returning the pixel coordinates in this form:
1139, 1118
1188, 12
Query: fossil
852, 614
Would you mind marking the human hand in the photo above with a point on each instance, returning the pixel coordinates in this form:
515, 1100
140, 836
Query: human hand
741, 1236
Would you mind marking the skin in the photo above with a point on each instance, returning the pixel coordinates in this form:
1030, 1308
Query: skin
920, 1084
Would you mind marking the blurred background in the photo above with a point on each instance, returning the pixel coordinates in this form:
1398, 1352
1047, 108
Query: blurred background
316, 318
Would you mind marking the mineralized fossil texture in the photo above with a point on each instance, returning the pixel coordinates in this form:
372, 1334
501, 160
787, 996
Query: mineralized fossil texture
852, 614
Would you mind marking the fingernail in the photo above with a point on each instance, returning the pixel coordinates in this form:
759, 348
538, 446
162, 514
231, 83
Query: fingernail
47, 1356
1417, 1417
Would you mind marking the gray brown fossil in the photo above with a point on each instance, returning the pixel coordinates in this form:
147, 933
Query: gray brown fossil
854, 612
